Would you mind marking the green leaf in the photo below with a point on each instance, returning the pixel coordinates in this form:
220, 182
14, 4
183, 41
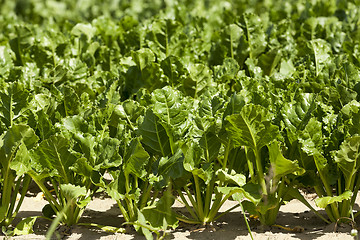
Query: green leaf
311, 138
227, 71
154, 135
280, 166
255, 35
232, 178
25, 226
169, 108
143, 58
18, 136
135, 159
348, 157
162, 210
325, 201
84, 28
54, 156
252, 127
200, 78
107, 153
72, 192
269, 61
14, 104
322, 52
296, 114
174, 70
164, 37
172, 167
193, 157
22, 161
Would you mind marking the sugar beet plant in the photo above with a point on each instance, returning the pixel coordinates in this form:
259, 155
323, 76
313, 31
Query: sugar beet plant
152, 103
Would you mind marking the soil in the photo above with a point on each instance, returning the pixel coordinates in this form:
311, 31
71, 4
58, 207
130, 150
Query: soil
294, 215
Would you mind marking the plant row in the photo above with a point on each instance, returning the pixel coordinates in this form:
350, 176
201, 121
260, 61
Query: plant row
201, 102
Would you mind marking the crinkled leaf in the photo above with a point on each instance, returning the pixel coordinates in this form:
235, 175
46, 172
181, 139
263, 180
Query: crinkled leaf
164, 37
324, 201
174, 69
154, 135
280, 166
107, 153
135, 159
348, 157
252, 127
256, 37
172, 167
14, 101
322, 52
143, 58
296, 114
15, 137
25, 226
193, 157
231, 178
72, 192
155, 214
169, 108
54, 156
200, 78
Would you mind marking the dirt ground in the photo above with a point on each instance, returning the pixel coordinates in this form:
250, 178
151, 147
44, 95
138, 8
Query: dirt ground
229, 227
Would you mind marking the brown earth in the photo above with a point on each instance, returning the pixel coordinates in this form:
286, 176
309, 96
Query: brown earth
229, 227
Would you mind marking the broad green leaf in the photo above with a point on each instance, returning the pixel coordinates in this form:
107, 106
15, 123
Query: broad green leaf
116, 188
22, 161
322, 52
200, 78
351, 113
72, 192
193, 157
145, 227
325, 201
25, 226
14, 102
45, 125
348, 157
227, 71
269, 61
169, 108
311, 138
154, 135
143, 58
174, 70
234, 106
286, 68
172, 167
280, 166
255, 35
84, 28
82, 167
54, 156
296, 114
135, 159
252, 127
18, 136
164, 37
155, 215
232, 178
211, 145
107, 153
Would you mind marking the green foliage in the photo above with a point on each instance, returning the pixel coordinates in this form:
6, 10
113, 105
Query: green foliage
211, 100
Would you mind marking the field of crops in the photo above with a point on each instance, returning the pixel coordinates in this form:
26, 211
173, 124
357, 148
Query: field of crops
199, 102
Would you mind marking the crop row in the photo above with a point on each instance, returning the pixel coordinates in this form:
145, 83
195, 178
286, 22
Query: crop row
201, 102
